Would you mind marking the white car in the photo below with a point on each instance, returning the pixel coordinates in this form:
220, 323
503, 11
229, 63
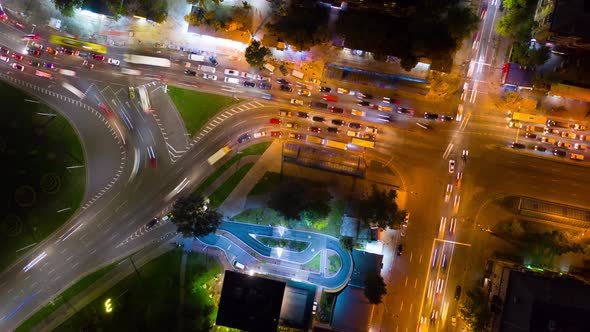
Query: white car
4, 58
371, 130
18, 67
246, 75
210, 77
231, 72
259, 134
451, 166
113, 62
262, 78
297, 102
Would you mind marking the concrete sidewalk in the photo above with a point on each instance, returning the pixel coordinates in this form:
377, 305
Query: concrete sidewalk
270, 161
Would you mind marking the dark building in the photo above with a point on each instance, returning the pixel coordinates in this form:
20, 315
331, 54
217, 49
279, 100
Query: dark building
569, 23
540, 303
250, 303
519, 76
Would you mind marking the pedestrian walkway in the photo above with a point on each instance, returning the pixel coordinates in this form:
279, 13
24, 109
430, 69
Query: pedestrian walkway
270, 161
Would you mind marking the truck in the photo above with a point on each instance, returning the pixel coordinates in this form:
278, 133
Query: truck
363, 143
535, 129
517, 116
336, 144
207, 69
269, 67
196, 57
314, 139
297, 74
318, 104
218, 155
577, 156
558, 124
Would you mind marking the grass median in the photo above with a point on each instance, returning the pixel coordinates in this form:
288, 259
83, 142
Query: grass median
196, 108
256, 149
39, 192
221, 193
148, 300
61, 299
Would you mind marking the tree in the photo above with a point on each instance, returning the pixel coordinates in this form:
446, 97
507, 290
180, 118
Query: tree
475, 310
381, 209
517, 23
462, 22
255, 54
66, 7
347, 243
193, 18
303, 27
295, 199
375, 288
203, 3
193, 217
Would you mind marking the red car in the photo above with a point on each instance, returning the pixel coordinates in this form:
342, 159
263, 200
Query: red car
18, 67
152, 156
105, 110
3, 16
98, 57
275, 121
315, 129
276, 134
330, 98
17, 56
32, 36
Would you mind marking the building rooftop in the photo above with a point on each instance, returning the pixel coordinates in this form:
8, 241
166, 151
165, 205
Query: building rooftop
539, 303
365, 263
250, 303
518, 75
570, 18
352, 311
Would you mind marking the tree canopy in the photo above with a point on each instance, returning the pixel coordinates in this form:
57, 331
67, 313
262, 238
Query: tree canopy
375, 288
380, 208
475, 310
66, 7
193, 217
522, 53
302, 26
255, 54
295, 199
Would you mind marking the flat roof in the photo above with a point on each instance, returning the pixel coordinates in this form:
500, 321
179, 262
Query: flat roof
352, 311
250, 303
535, 302
570, 92
570, 18
518, 75
365, 263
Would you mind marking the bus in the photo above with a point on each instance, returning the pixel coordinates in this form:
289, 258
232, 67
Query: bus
336, 144
78, 44
144, 99
529, 118
73, 90
314, 139
363, 143
218, 155
146, 60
